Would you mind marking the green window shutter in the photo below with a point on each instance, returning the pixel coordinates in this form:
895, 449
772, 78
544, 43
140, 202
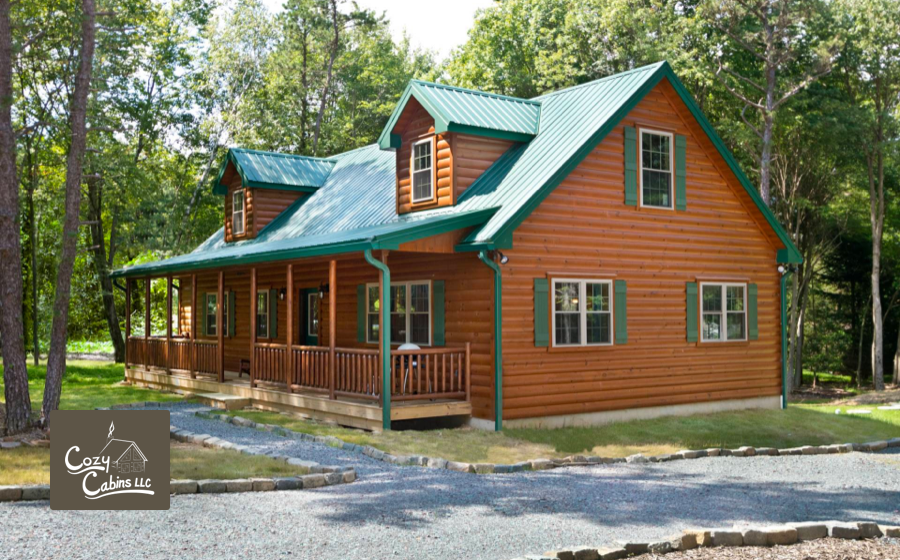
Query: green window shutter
231, 314
361, 313
680, 172
202, 309
621, 312
541, 312
273, 314
631, 170
438, 306
752, 322
692, 303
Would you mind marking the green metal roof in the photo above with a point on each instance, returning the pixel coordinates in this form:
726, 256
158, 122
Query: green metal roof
354, 207
469, 111
275, 171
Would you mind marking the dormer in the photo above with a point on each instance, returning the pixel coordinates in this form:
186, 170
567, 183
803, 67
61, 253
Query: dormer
258, 186
446, 137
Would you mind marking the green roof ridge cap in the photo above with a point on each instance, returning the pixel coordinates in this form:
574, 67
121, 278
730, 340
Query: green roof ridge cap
478, 92
282, 154
646, 68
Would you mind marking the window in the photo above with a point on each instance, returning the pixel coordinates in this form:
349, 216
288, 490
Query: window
582, 312
312, 315
422, 176
410, 313
724, 312
211, 323
656, 169
237, 212
262, 314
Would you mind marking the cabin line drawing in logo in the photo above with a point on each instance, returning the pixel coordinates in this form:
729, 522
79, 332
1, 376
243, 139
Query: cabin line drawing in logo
125, 455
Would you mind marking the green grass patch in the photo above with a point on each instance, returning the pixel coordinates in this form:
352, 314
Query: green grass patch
828, 378
87, 385
31, 465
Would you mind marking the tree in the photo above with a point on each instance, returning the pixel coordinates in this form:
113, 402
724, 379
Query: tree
782, 56
870, 71
56, 360
15, 373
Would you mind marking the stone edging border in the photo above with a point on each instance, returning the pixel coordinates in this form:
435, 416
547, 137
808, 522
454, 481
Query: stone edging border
546, 464
784, 534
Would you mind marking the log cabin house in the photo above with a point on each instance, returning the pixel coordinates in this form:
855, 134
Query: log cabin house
589, 255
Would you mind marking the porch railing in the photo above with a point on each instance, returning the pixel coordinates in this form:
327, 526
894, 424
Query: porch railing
179, 354
430, 373
310, 368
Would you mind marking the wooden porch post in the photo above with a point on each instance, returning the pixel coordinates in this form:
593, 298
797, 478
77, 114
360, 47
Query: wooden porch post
194, 312
332, 323
289, 360
220, 327
253, 303
147, 323
127, 318
169, 324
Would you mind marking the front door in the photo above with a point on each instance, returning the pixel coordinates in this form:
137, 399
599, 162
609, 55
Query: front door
311, 316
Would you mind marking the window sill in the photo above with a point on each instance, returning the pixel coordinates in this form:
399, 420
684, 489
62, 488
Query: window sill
587, 348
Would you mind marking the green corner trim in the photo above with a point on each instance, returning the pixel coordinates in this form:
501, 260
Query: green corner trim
498, 338
385, 328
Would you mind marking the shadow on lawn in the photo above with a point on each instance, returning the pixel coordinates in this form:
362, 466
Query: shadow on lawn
608, 496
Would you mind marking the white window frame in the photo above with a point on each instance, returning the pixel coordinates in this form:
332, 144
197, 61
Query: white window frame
640, 148
582, 310
413, 172
407, 327
214, 323
238, 195
310, 318
724, 312
268, 309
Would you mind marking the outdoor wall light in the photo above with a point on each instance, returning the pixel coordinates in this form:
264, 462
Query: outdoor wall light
281, 293
503, 258
323, 289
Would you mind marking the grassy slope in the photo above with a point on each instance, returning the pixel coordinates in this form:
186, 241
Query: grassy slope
31, 465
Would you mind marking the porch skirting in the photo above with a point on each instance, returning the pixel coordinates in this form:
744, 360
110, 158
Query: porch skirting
609, 416
362, 414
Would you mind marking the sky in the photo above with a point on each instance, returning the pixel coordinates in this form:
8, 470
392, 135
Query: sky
430, 24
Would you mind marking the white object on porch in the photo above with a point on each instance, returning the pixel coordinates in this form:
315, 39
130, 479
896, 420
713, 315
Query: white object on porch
410, 364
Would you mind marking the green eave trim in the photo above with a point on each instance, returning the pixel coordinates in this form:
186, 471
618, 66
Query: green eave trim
486, 132
392, 241
790, 253
281, 186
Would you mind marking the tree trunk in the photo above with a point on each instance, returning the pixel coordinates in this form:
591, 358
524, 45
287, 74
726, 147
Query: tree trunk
12, 332
862, 337
335, 44
897, 362
95, 216
793, 322
765, 161
56, 360
875, 167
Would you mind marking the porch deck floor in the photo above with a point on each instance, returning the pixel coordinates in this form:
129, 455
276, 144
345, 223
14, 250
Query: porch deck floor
348, 411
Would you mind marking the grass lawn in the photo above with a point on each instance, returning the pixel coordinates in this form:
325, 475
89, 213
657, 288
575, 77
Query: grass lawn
87, 385
31, 465
796, 426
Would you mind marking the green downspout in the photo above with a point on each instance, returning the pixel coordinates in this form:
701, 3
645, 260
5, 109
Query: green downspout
498, 339
784, 335
385, 338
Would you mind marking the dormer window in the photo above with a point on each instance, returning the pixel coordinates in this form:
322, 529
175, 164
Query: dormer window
422, 174
656, 169
237, 212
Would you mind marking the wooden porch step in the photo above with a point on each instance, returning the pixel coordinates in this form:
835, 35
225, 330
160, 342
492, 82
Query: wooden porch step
223, 401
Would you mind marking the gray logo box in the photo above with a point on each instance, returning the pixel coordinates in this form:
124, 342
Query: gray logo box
109, 459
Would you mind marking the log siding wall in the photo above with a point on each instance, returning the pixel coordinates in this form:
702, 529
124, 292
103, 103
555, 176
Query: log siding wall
584, 229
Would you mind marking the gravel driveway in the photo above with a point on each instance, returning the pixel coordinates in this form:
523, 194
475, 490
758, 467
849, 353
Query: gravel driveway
408, 512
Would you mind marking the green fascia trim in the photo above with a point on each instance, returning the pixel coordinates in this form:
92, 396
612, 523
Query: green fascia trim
498, 338
385, 339
486, 132
789, 254
218, 187
393, 241
281, 187
784, 334
387, 140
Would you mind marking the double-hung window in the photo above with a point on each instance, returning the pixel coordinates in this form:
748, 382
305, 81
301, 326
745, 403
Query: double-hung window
410, 311
724, 312
582, 312
262, 314
237, 212
210, 309
656, 169
422, 171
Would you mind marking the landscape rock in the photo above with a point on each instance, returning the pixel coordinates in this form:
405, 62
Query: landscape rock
810, 531
541, 464
263, 484
9, 444
312, 480
838, 530
877, 445
239, 485
637, 458
334, 478
869, 530
348, 476
713, 452
691, 454
611, 553
211, 486
893, 442
726, 537
891, 532
683, 542
437, 463
182, 487
288, 483
635, 547
459, 467
36, 492
660, 547
703, 537
484, 468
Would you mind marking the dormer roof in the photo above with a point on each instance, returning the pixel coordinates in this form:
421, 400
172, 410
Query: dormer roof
275, 171
467, 111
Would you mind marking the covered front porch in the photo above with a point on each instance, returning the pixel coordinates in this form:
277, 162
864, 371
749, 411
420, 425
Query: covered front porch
308, 362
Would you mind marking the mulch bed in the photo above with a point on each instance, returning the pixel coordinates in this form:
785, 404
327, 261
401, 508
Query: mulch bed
822, 549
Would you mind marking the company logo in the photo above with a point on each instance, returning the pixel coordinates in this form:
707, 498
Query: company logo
97, 472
